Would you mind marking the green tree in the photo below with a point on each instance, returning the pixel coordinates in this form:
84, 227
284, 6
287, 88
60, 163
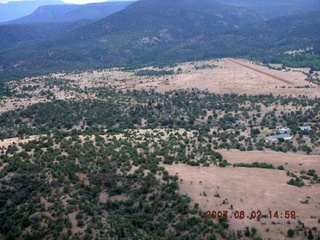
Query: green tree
290, 232
310, 235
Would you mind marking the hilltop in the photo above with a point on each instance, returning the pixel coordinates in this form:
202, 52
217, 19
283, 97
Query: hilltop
18, 9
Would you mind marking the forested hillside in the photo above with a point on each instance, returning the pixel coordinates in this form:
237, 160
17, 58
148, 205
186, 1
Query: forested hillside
14, 34
160, 32
185, 30
274, 8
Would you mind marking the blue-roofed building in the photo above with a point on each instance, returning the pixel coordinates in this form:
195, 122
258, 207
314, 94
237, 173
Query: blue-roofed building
305, 128
276, 137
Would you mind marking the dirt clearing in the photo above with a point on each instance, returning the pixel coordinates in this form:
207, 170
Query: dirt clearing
251, 189
232, 76
290, 161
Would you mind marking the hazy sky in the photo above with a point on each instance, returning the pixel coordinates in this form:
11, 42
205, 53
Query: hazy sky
72, 1
85, 1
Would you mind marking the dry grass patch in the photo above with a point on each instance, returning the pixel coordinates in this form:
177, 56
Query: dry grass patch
290, 161
249, 189
234, 76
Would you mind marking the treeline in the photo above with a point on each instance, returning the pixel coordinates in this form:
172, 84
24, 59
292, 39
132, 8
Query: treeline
149, 72
254, 165
4, 90
301, 60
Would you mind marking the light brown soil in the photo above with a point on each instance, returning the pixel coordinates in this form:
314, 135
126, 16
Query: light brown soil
262, 72
10, 141
83, 177
290, 161
75, 229
250, 189
103, 196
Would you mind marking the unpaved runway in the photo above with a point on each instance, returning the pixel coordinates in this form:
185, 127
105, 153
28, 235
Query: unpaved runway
259, 71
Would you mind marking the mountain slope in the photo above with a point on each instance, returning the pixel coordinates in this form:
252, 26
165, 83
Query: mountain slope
71, 13
146, 31
13, 34
155, 31
95, 11
45, 14
18, 9
275, 8
294, 32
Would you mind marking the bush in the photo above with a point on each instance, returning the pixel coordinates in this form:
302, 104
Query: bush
242, 148
290, 232
80, 223
296, 182
255, 131
257, 238
254, 231
254, 165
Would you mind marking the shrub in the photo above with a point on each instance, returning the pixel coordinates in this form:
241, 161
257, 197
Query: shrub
254, 231
296, 182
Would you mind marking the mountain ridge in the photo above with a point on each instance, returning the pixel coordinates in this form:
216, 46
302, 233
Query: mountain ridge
18, 9
274, 8
71, 13
151, 31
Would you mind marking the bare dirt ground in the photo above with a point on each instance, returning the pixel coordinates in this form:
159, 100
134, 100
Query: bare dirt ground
290, 161
10, 141
262, 72
250, 189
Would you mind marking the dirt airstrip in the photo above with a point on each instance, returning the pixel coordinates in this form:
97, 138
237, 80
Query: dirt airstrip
259, 71
233, 76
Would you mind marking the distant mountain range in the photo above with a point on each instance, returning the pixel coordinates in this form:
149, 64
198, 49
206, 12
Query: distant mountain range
13, 10
275, 8
53, 20
162, 31
71, 13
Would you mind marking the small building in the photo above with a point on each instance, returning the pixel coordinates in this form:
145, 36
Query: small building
276, 137
305, 128
283, 130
